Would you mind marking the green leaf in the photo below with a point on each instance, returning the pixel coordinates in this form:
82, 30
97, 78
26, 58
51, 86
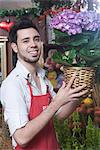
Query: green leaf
79, 42
60, 33
96, 62
57, 57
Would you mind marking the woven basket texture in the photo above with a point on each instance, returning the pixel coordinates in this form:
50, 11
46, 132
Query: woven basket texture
84, 75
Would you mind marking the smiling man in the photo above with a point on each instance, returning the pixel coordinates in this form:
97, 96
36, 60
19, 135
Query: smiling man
27, 96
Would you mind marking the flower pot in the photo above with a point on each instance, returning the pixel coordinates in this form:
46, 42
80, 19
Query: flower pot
84, 75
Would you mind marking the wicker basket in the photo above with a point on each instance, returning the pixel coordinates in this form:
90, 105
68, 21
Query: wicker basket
83, 75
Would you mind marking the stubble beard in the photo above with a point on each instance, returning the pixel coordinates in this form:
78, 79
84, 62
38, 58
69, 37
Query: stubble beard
34, 60
28, 60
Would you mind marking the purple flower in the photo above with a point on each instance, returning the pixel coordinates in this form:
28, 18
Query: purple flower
73, 23
81, 34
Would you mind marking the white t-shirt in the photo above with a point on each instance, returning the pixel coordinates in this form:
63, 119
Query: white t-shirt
15, 96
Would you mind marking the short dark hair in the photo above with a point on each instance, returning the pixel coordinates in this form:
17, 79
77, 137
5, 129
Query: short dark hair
20, 24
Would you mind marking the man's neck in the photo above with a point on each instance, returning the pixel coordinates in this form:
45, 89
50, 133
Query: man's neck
31, 67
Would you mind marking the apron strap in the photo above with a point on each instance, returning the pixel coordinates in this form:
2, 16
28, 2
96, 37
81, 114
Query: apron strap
48, 91
30, 88
47, 88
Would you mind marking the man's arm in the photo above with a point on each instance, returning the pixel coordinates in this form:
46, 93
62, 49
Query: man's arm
24, 135
67, 109
65, 95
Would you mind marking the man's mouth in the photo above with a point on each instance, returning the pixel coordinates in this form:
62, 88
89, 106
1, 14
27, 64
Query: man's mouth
34, 53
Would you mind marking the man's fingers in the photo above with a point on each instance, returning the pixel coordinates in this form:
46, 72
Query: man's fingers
80, 93
63, 85
74, 99
71, 80
78, 89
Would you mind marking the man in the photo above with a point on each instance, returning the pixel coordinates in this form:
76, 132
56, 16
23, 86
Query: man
27, 95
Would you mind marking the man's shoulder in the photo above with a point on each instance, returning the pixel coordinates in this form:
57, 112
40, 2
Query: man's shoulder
11, 78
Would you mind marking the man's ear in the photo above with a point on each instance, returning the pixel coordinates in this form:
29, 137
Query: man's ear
14, 47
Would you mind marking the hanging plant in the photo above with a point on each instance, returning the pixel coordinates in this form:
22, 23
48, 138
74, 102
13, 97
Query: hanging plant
34, 12
39, 7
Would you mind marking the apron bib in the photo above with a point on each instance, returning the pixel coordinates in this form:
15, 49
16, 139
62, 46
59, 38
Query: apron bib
46, 138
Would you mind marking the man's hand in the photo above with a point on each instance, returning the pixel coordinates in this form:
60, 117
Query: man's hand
66, 94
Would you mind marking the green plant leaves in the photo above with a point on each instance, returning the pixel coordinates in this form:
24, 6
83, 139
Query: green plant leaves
85, 46
58, 58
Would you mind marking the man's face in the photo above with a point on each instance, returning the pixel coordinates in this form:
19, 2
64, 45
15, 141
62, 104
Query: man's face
28, 45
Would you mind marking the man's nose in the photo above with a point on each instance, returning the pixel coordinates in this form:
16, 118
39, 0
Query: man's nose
33, 43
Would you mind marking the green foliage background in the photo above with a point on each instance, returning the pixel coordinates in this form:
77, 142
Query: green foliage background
77, 138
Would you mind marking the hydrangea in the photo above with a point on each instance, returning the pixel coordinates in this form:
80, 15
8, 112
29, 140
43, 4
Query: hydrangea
79, 33
73, 23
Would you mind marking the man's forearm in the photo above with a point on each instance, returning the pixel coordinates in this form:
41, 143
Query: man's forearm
66, 110
24, 135
64, 95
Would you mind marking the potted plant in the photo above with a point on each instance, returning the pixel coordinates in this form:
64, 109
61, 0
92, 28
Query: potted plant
79, 34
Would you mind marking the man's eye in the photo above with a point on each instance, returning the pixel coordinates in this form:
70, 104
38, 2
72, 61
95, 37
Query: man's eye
26, 41
37, 39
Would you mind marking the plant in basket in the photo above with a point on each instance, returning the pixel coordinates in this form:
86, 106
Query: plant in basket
79, 35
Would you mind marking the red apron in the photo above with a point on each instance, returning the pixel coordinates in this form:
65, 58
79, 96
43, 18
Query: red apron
46, 138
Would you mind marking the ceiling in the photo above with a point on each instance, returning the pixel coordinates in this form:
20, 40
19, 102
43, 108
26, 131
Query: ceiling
15, 4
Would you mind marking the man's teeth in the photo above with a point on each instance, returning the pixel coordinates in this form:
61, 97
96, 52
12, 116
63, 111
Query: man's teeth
33, 52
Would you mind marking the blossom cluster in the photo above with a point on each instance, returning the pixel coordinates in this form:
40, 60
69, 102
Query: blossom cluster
73, 23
